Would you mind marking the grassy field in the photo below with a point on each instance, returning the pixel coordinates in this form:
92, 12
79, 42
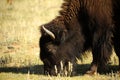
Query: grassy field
19, 37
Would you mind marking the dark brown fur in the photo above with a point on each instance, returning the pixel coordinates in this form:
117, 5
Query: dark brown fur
82, 25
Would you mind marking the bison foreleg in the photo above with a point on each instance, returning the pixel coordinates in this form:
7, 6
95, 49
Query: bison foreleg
101, 50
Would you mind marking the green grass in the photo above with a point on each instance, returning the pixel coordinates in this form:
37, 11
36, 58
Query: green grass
19, 37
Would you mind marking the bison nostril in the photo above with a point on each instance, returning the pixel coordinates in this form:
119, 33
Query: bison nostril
46, 72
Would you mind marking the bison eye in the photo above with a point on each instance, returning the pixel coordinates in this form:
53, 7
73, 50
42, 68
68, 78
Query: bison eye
46, 72
50, 50
53, 51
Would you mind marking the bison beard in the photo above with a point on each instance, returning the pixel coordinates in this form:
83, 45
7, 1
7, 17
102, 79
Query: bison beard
82, 25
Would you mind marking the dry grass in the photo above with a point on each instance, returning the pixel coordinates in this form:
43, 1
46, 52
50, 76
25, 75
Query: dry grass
19, 37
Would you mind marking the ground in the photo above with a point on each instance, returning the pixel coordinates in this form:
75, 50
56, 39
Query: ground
19, 38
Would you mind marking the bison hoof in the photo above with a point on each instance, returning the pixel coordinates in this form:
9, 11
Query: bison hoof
91, 72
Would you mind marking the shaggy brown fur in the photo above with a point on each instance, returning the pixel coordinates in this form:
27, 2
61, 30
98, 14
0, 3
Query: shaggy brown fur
82, 25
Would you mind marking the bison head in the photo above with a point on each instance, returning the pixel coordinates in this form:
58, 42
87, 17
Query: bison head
52, 52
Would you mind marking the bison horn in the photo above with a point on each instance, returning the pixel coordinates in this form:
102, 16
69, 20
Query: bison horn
48, 32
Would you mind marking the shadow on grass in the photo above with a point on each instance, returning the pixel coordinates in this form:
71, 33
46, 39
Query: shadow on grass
81, 69
109, 69
38, 69
35, 69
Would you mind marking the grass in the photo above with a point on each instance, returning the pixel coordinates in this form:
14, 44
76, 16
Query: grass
19, 37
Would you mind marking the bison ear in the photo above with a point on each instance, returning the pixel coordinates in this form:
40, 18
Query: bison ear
48, 32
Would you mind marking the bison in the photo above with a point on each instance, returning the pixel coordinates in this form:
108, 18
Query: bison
82, 25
